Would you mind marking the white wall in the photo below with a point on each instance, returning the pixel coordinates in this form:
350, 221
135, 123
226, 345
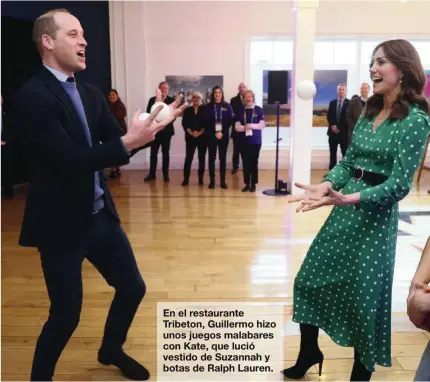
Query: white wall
208, 38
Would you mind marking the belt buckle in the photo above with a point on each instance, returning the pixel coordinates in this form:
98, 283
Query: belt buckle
361, 176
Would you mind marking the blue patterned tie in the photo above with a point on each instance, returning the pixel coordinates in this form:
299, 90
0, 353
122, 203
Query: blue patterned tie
339, 109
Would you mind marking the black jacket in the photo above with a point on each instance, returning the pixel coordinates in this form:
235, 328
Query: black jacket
342, 124
238, 108
59, 206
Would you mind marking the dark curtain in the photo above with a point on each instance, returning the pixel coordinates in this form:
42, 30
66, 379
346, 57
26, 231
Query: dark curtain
20, 59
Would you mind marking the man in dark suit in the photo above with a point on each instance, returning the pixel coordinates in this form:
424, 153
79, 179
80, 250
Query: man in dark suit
70, 136
237, 103
7, 154
337, 124
355, 107
162, 139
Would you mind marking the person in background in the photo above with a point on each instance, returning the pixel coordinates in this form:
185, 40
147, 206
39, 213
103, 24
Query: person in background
163, 138
193, 124
119, 111
355, 107
237, 106
248, 126
218, 119
418, 303
337, 125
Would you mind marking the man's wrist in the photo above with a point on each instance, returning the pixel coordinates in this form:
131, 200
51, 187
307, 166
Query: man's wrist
127, 142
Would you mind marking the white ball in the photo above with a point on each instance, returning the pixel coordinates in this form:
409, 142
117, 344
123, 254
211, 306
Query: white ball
306, 89
143, 116
163, 114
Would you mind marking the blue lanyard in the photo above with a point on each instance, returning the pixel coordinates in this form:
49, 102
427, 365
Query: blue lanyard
252, 116
216, 114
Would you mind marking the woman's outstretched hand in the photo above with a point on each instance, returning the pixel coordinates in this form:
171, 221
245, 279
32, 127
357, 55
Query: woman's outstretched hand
313, 192
323, 194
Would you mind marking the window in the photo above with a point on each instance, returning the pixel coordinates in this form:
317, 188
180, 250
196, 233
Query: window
324, 52
367, 48
283, 52
345, 52
261, 51
423, 48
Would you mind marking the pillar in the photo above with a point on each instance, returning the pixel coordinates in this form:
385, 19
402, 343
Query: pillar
304, 31
128, 44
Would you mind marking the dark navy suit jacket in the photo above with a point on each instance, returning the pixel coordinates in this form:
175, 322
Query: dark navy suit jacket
61, 164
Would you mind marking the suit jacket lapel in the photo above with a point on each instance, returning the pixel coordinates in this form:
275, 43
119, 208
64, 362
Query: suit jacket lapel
59, 92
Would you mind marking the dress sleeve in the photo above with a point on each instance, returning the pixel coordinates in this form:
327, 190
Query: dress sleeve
409, 153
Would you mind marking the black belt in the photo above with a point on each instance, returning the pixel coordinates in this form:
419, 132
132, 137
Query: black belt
371, 177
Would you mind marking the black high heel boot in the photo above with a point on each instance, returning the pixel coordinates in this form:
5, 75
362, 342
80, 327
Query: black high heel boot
309, 354
359, 371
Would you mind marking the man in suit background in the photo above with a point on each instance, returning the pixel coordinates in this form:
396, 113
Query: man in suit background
237, 103
355, 107
162, 139
337, 125
70, 137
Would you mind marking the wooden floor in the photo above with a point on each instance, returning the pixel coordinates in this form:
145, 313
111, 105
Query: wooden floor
196, 244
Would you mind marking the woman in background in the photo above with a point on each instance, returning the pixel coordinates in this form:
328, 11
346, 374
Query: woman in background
218, 119
249, 125
118, 109
192, 122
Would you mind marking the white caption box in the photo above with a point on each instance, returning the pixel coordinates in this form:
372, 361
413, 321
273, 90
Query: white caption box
220, 342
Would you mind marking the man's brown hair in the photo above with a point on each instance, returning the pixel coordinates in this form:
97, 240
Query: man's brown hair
45, 24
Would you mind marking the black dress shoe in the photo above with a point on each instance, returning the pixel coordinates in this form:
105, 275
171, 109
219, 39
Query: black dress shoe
211, 185
224, 186
128, 366
185, 183
234, 171
149, 178
252, 189
201, 182
245, 189
166, 178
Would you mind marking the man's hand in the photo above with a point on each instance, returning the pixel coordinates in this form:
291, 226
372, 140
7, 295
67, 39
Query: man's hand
218, 135
418, 307
142, 132
335, 129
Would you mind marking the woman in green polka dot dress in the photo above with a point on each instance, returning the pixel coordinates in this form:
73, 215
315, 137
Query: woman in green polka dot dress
344, 284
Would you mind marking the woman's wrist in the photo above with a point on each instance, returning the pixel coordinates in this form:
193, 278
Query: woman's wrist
352, 198
326, 185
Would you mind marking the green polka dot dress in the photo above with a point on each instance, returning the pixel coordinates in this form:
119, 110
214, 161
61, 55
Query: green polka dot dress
344, 284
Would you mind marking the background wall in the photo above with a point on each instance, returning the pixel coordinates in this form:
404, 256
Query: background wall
213, 38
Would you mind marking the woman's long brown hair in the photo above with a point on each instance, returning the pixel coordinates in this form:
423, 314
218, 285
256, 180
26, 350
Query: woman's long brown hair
405, 57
